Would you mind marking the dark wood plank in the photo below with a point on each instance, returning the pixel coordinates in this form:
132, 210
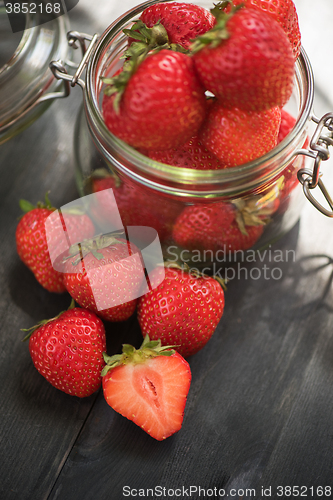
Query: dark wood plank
38, 427
260, 405
39, 424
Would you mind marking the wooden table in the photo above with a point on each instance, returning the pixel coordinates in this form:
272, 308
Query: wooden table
260, 407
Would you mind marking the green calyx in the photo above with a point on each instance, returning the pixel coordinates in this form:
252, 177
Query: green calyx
80, 250
146, 41
149, 349
247, 214
26, 206
219, 32
150, 37
149, 40
44, 322
256, 211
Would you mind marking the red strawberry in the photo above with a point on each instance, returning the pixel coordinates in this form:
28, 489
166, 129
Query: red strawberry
105, 276
68, 351
237, 136
284, 12
163, 103
192, 154
182, 21
221, 226
246, 60
286, 126
148, 386
183, 310
34, 245
199, 226
136, 206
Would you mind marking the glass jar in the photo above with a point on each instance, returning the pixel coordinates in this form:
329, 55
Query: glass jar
186, 206
27, 85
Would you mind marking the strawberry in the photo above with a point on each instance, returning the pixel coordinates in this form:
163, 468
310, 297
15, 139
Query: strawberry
149, 386
192, 154
34, 244
284, 12
286, 125
183, 310
68, 351
199, 226
246, 60
105, 275
136, 206
182, 21
162, 104
236, 136
221, 226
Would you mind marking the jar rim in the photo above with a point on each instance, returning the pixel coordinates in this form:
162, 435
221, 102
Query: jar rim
155, 174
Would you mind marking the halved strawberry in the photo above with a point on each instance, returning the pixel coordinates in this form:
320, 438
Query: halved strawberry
148, 386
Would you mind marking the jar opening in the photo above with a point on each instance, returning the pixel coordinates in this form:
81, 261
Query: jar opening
165, 178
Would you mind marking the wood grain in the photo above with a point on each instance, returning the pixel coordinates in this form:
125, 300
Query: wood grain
259, 411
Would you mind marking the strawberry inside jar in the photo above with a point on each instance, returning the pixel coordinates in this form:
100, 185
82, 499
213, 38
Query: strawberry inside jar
188, 140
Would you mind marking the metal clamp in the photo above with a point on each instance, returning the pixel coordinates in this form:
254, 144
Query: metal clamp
58, 68
319, 151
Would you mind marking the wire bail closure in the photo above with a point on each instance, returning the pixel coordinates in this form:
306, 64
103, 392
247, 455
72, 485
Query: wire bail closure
58, 68
319, 151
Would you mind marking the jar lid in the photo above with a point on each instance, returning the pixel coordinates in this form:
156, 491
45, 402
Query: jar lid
27, 85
